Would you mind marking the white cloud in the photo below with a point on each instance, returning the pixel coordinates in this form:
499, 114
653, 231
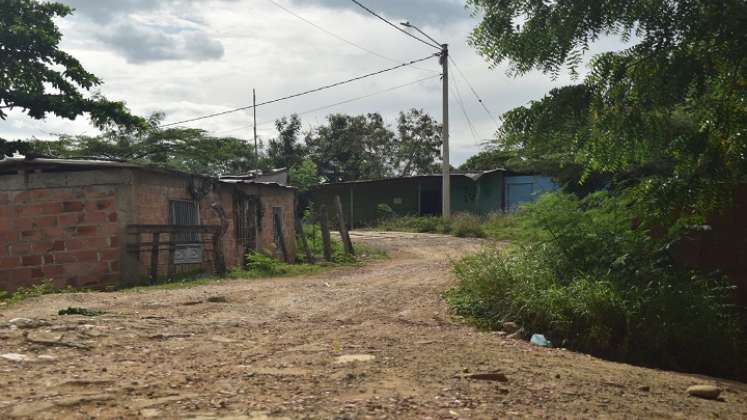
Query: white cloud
190, 58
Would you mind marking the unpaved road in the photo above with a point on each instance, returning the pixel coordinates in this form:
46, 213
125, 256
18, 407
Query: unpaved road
369, 342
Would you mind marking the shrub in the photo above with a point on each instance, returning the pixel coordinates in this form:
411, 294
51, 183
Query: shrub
588, 280
466, 225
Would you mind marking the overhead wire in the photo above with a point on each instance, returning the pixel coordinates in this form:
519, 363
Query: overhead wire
319, 89
460, 100
310, 111
474, 92
340, 38
395, 26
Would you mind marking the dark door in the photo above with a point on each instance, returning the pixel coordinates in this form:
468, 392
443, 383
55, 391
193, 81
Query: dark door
247, 213
430, 203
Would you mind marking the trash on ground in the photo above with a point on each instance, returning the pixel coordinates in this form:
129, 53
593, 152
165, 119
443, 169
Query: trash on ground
540, 340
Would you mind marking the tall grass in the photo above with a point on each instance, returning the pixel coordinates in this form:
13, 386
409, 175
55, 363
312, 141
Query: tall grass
582, 275
464, 225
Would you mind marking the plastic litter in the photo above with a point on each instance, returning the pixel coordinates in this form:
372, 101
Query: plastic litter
540, 340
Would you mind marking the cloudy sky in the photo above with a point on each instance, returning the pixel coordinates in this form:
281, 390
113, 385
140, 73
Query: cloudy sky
193, 57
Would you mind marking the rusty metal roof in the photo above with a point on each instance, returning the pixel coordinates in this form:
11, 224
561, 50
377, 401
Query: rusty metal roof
72, 164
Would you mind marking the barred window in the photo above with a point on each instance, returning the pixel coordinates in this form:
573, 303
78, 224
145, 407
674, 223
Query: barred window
185, 213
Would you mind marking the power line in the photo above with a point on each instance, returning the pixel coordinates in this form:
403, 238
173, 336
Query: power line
464, 111
340, 38
474, 92
395, 26
340, 103
319, 89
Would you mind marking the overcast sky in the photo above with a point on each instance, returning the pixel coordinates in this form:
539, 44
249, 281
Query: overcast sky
193, 57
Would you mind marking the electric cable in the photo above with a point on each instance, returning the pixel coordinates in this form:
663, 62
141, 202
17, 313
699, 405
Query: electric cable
395, 26
310, 111
319, 89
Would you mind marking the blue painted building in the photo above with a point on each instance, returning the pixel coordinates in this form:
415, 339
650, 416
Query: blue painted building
526, 189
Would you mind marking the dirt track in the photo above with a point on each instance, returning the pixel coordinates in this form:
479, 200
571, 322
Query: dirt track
281, 348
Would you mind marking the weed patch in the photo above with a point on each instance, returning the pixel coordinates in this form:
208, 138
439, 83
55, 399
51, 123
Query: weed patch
584, 277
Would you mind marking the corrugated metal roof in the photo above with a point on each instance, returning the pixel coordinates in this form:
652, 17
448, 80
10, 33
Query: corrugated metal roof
471, 175
112, 164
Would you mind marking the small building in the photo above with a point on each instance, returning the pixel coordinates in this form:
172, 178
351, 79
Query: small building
103, 224
480, 193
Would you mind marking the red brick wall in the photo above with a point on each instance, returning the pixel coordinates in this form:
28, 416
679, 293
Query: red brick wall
68, 235
154, 192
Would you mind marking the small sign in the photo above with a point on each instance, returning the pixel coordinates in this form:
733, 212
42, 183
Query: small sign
188, 254
398, 201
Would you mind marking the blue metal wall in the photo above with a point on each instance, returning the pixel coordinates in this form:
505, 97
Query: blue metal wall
526, 189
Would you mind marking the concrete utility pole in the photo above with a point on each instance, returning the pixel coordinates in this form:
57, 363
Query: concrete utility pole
446, 205
444, 57
256, 145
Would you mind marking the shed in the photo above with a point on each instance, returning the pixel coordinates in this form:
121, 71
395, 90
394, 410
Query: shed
103, 224
479, 193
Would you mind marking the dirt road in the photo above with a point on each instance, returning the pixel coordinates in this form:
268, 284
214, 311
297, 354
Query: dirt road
369, 342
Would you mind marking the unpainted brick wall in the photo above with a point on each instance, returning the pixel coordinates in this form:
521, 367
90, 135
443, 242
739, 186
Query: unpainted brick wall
68, 235
154, 193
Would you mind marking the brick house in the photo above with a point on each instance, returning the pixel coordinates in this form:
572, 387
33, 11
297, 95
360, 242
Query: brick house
103, 224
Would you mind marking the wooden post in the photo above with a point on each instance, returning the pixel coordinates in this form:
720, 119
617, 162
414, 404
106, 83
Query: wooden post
154, 257
326, 240
277, 217
300, 233
218, 259
172, 255
344, 234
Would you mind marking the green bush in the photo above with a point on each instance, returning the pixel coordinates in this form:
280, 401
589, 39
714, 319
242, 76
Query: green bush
501, 226
588, 280
466, 225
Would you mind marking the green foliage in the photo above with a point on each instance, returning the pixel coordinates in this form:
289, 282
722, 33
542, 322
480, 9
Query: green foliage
286, 151
39, 78
183, 149
304, 176
464, 225
41, 289
670, 108
488, 159
350, 148
584, 277
80, 311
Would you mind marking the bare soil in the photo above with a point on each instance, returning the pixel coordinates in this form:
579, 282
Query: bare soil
369, 342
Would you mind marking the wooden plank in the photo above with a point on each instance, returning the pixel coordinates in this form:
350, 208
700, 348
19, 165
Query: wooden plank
346, 242
172, 257
209, 229
326, 239
154, 258
304, 242
277, 219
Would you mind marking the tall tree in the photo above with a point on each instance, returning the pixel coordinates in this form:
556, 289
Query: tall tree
286, 151
352, 147
678, 95
418, 145
189, 150
39, 78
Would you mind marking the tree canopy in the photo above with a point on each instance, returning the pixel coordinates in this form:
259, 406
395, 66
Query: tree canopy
671, 107
39, 78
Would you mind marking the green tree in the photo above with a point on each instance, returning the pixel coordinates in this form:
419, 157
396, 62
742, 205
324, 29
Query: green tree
418, 145
671, 108
286, 151
304, 176
189, 150
39, 78
349, 148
